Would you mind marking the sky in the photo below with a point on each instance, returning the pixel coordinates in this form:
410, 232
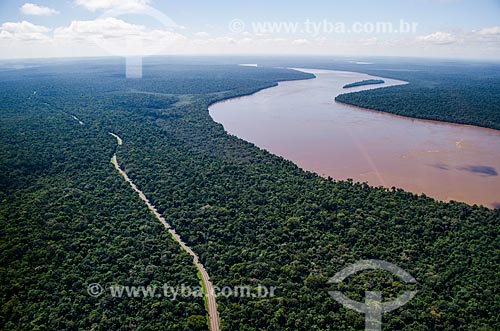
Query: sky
415, 28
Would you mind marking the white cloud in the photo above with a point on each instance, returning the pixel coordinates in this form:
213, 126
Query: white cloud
23, 31
370, 41
490, 31
113, 36
202, 34
246, 41
109, 27
274, 40
217, 41
118, 37
128, 5
23, 27
33, 9
438, 38
301, 42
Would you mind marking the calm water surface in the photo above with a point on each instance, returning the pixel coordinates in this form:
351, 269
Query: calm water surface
300, 121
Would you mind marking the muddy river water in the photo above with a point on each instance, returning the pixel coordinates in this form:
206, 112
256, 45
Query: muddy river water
300, 121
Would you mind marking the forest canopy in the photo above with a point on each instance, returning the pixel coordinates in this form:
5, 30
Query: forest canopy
365, 82
67, 219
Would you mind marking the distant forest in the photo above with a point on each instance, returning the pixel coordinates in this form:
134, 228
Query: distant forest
464, 93
365, 82
456, 91
67, 218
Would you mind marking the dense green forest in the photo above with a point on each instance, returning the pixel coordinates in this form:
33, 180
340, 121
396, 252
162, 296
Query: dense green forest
68, 219
365, 82
461, 92
464, 92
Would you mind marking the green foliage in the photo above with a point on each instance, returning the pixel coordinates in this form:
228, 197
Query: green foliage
464, 92
196, 322
459, 93
365, 82
68, 219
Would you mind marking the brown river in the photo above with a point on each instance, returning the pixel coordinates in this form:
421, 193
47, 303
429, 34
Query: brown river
300, 121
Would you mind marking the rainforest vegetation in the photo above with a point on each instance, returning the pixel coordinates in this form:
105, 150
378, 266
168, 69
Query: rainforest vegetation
365, 82
449, 91
464, 92
67, 218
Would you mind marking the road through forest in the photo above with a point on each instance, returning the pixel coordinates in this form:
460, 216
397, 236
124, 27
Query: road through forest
205, 278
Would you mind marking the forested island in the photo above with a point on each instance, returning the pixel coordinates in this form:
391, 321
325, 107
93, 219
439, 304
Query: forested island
364, 82
449, 91
455, 91
67, 219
